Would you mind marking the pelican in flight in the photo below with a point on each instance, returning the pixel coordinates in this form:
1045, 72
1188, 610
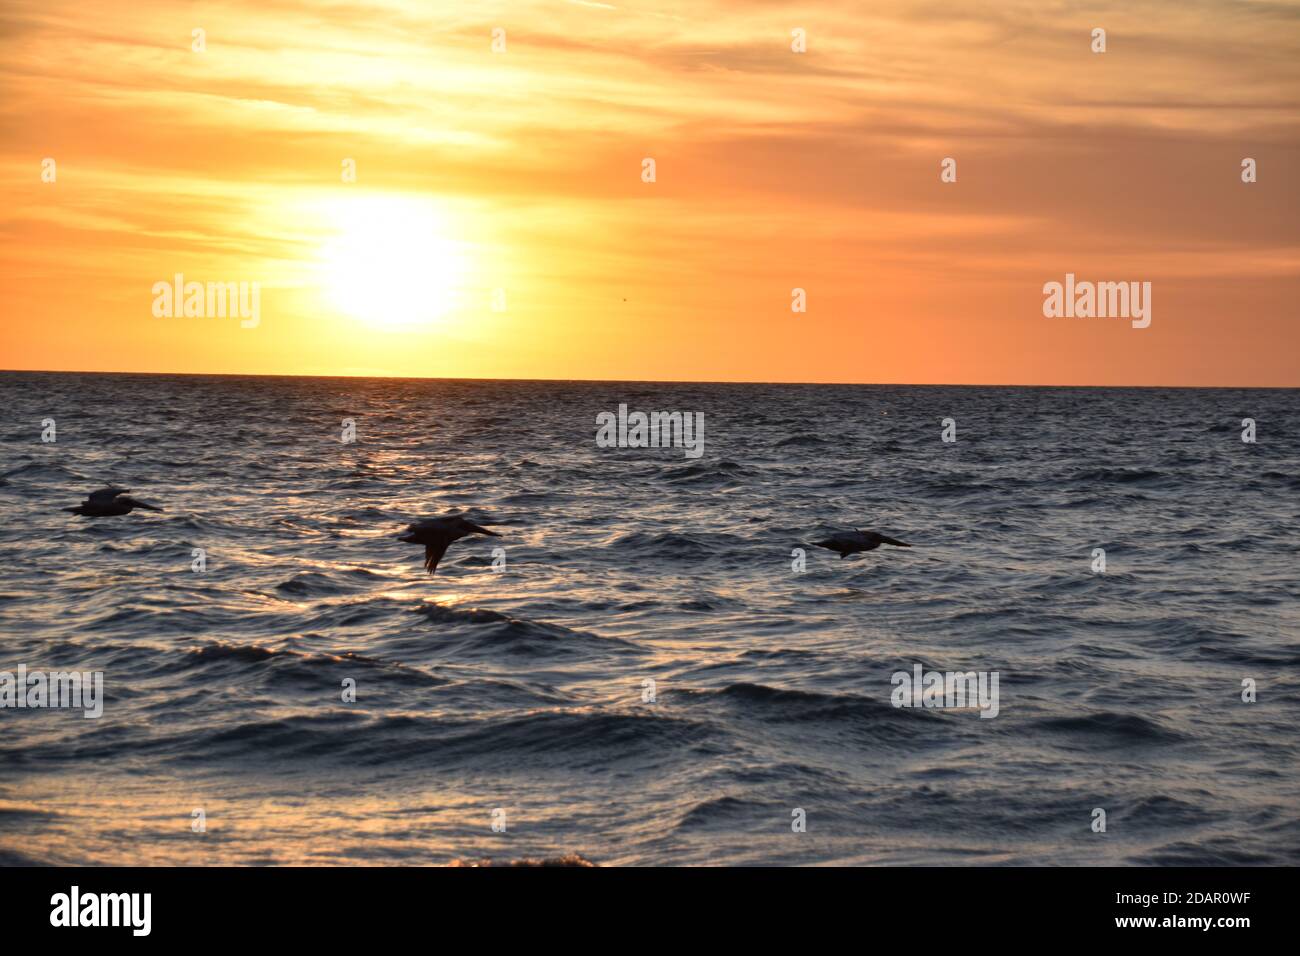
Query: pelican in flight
108, 502
437, 533
852, 542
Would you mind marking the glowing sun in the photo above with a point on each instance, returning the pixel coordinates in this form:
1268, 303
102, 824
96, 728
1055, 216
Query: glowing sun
391, 263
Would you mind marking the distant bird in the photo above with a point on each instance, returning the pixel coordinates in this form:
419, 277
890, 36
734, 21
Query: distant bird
851, 542
437, 533
108, 502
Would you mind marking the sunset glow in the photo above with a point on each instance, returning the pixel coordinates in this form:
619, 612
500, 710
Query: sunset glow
498, 225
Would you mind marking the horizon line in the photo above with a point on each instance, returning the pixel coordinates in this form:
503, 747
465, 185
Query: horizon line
617, 381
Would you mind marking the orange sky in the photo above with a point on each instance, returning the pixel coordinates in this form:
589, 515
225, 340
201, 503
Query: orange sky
521, 170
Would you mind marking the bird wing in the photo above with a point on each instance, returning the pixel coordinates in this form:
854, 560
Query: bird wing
105, 495
433, 552
136, 503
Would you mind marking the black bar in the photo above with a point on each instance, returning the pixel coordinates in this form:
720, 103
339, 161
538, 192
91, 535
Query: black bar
938, 905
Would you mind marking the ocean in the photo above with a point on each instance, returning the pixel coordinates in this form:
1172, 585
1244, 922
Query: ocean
657, 667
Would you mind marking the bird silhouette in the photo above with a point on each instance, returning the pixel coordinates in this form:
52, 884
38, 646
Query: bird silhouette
108, 502
437, 534
853, 542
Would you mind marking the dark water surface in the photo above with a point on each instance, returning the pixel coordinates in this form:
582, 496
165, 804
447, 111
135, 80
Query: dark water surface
522, 689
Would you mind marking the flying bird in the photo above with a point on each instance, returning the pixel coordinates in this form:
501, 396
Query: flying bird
436, 534
108, 502
852, 542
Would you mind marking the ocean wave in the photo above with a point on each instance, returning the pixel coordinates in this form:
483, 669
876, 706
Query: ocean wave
565, 859
589, 737
672, 545
1122, 476
494, 632
1108, 728
752, 701
720, 472
805, 440
46, 474
727, 810
257, 659
1216, 852
356, 737
317, 584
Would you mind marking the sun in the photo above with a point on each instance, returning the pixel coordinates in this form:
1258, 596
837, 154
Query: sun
391, 263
